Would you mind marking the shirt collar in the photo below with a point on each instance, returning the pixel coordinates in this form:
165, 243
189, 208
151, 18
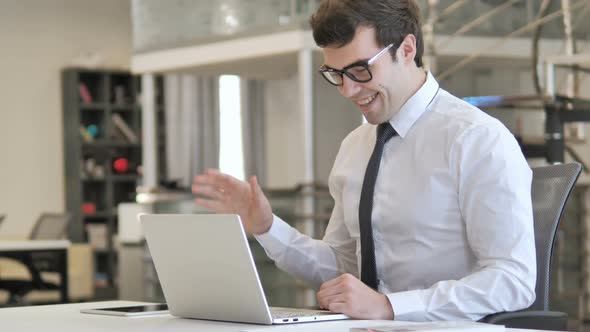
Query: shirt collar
403, 120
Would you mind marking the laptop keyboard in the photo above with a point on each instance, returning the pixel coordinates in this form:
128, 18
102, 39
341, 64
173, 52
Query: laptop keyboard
289, 313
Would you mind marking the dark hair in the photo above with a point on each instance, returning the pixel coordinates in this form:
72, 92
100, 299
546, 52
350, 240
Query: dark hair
335, 22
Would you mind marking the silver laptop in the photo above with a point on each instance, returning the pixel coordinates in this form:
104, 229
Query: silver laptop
206, 271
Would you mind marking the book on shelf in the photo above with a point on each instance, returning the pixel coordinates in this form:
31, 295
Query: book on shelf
86, 137
120, 96
98, 236
122, 126
84, 93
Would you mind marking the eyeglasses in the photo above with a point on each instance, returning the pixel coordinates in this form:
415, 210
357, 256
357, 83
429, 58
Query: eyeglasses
358, 71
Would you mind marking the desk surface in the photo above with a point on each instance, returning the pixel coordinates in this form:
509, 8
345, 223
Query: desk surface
24, 245
67, 318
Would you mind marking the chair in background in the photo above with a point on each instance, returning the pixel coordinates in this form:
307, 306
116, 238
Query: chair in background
49, 226
551, 189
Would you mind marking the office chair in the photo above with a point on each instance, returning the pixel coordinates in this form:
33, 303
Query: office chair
49, 226
551, 188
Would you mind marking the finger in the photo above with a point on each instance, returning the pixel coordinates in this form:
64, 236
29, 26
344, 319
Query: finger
210, 177
223, 181
218, 176
320, 301
230, 181
335, 296
333, 293
255, 189
212, 205
339, 307
212, 171
329, 291
331, 283
208, 192
204, 179
326, 300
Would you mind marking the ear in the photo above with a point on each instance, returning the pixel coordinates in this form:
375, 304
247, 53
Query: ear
407, 49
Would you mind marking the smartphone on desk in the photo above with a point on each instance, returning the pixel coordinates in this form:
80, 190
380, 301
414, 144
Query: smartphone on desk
130, 311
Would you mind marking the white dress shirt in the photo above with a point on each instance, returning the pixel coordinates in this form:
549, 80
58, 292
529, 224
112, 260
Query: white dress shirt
452, 214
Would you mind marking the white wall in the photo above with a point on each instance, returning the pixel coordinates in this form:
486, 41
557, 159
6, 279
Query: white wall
37, 39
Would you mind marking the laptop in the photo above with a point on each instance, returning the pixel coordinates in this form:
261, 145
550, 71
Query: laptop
206, 270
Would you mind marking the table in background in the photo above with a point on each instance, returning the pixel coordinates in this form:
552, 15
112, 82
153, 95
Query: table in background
24, 249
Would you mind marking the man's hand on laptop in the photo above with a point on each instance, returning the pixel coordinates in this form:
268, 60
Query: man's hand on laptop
223, 193
348, 295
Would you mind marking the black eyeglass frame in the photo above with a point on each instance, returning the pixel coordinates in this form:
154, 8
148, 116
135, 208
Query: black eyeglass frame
344, 71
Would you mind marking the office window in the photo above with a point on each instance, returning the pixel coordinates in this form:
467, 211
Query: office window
231, 152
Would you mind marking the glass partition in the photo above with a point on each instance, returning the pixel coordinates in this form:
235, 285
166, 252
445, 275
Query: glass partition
177, 23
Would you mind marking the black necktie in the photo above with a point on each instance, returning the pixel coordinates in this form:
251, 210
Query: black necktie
368, 270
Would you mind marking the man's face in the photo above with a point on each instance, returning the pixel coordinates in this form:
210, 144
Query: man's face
377, 99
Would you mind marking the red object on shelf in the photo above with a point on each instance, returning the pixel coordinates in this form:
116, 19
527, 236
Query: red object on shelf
88, 208
121, 165
85, 93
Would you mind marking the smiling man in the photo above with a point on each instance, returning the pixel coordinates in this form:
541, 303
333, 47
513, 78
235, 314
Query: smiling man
432, 217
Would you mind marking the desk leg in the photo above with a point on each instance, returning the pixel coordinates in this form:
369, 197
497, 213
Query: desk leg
63, 271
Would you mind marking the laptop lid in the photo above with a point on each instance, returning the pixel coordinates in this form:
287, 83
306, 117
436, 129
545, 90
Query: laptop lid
205, 267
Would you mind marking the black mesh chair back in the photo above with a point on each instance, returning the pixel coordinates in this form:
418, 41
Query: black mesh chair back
551, 188
51, 226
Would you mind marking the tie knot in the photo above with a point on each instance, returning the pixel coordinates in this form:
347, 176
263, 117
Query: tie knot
385, 131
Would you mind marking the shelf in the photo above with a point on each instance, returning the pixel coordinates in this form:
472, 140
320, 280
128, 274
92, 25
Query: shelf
110, 144
114, 178
124, 177
125, 108
93, 180
92, 107
98, 215
112, 107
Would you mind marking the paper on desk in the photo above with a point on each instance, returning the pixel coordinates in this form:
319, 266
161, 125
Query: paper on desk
381, 326
329, 326
434, 327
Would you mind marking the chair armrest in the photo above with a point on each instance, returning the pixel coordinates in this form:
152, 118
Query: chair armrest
539, 320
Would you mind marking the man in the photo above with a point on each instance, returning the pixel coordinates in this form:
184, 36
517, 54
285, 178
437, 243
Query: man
432, 197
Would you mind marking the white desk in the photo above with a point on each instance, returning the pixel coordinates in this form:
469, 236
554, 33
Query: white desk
67, 318
30, 245
24, 249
